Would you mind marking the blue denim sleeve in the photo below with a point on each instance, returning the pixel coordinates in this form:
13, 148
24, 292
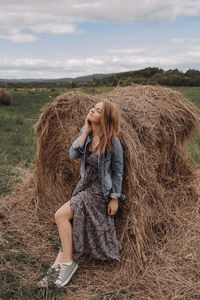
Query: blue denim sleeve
117, 166
75, 151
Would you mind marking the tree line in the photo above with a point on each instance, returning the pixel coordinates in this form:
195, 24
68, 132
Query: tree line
151, 76
145, 76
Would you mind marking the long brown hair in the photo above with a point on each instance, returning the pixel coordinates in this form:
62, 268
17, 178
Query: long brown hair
110, 126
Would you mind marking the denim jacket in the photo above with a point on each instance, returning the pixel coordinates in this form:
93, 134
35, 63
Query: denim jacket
110, 166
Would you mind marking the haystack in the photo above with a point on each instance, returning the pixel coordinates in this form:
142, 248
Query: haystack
57, 127
94, 91
5, 98
32, 91
160, 181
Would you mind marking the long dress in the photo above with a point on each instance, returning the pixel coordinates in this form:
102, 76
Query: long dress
93, 229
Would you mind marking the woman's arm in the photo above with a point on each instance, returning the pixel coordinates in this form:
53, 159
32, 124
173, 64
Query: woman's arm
117, 175
117, 166
77, 148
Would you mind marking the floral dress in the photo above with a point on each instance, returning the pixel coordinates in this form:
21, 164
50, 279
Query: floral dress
93, 229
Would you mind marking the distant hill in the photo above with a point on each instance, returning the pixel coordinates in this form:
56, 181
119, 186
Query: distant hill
144, 76
79, 79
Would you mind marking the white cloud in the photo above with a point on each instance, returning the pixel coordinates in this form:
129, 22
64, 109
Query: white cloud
60, 54
194, 40
178, 40
19, 37
194, 54
108, 63
62, 16
184, 40
126, 51
15, 35
54, 28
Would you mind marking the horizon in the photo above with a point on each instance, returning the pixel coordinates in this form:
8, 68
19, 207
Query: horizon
92, 75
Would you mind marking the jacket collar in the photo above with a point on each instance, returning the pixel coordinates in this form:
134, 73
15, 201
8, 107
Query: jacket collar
90, 136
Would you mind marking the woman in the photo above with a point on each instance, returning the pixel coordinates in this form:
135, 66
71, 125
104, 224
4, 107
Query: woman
94, 201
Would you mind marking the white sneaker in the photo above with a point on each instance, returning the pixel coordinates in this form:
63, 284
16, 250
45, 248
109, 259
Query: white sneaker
66, 273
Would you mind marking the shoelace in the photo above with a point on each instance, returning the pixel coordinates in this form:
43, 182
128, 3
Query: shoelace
62, 271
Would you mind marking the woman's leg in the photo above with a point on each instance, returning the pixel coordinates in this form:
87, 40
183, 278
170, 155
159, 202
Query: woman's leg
57, 261
63, 216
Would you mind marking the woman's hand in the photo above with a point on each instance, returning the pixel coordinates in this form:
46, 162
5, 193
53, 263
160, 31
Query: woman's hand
88, 125
113, 207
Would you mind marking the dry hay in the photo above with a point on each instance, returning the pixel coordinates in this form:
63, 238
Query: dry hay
158, 225
32, 91
159, 178
59, 124
5, 98
159, 182
26, 243
94, 91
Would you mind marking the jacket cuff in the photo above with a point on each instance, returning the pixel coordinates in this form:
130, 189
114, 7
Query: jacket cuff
117, 196
76, 146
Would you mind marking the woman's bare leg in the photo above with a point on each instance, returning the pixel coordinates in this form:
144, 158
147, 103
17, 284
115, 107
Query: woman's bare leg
63, 216
57, 261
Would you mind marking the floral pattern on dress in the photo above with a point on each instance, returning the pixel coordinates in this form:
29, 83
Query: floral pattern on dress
93, 230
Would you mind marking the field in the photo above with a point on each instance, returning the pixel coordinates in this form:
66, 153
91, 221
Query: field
17, 155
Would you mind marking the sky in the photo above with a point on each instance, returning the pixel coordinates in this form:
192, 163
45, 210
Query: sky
71, 38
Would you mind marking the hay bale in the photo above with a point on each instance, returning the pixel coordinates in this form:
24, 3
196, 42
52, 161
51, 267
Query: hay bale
32, 91
58, 125
157, 123
5, 98
94, 91
159, 181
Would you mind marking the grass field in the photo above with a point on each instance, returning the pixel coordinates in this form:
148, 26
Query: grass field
17, 153
193, 94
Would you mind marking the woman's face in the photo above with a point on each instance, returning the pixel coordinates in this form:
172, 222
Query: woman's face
95, 113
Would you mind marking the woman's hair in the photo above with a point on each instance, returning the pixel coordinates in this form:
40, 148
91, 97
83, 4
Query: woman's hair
110, 126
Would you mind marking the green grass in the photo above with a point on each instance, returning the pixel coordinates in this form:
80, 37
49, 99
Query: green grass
8, 177
193, 94
18, 142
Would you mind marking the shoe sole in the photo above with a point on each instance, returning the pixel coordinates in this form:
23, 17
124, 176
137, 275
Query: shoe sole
68, 279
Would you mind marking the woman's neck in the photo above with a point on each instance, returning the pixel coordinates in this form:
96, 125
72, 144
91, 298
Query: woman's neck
95, 130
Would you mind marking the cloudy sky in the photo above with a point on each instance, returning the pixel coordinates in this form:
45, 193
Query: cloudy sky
70, 38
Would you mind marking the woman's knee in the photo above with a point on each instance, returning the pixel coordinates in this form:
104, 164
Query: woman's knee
57, 215
64, 212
